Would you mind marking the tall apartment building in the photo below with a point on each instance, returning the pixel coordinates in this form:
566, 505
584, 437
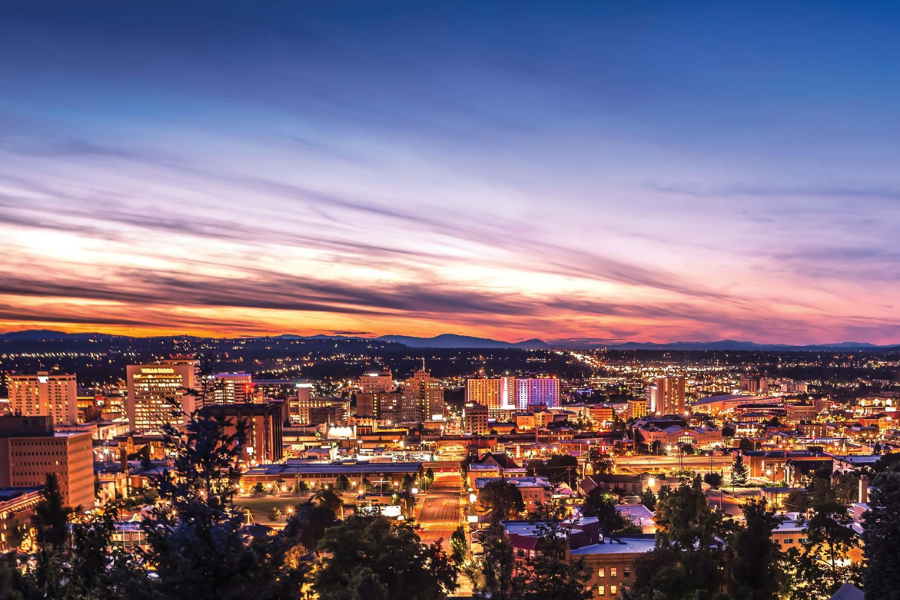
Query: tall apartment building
513, 392
230, 388
475, 419
427, 395
158, 394
30, 450
371, 383
669, 396
43, 394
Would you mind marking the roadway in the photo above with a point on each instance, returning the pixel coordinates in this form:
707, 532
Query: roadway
438, 513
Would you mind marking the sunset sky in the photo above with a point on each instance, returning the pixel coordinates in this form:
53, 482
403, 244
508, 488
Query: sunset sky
643, 171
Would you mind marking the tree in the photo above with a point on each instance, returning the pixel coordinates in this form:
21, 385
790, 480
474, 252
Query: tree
559, 468
16, 531
739, 471
327, 498
688, 562
551, 574
459, 545
342, 484
370, 557
275, 514
648, 499
713, 480
51, 517
502, 499
599, 504
881, 538
197, 547
258, 489
429, 478
600, 463
798, 500
308, 523
818, 570
497, 564
753, 572
684, 519
671, 574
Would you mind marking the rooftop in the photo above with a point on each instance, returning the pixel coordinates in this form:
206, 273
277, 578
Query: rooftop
627, 546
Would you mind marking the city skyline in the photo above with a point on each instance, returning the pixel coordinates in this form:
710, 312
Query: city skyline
511, 171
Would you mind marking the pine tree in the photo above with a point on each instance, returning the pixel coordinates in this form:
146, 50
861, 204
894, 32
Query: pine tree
881, 539
739, 471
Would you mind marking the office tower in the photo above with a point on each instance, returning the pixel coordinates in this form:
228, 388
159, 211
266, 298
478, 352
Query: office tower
44, 394
513, 392
637, 408
264, 427
371, 383
30, 450
365, 404
159, 394
230, 388
650, 396
475, 419
427, 393
316, 411
670, 395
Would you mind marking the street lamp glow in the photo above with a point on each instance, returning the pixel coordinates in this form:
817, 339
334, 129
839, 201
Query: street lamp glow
651, 481
472, 498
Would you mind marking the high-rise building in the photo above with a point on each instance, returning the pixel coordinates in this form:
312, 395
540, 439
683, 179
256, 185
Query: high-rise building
475, 419
30, 450
303, 395
230, 388
44, 394
263, 422
377, 382
330, 410
670, 395
159, 394
513, 392
537, 391
637, 408
365, 404
427, 393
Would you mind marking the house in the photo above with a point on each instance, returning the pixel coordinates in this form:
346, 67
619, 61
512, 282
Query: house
536, 491
628, 485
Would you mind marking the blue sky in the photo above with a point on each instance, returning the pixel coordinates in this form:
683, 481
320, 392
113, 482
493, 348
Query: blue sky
625, 171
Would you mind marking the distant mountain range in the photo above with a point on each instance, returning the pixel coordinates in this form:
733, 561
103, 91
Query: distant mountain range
462, 341
449, 340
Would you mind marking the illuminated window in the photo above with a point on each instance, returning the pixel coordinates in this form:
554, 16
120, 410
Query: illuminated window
612, 572
612, 590
601, 572
601, 591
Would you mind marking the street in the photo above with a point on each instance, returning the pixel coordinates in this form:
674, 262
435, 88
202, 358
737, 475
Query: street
439, 511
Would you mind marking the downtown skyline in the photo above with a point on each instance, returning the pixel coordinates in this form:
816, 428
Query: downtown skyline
510, 171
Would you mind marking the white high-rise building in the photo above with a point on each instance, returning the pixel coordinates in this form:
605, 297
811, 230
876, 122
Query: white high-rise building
44, 394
